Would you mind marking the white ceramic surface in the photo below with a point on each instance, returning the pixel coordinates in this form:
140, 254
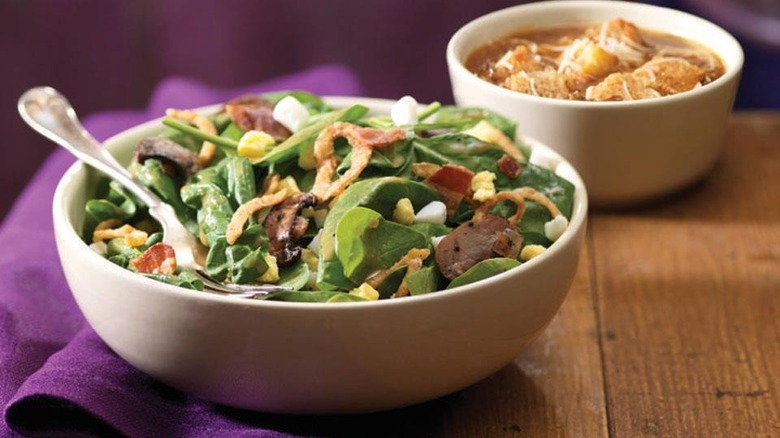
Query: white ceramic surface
626, 152
310, 357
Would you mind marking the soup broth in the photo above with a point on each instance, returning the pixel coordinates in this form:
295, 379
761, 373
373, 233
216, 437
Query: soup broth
610, 61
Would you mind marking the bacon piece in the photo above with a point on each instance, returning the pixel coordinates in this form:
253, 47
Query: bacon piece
509, 166
453, 183
363, 142
157, 259
256, 113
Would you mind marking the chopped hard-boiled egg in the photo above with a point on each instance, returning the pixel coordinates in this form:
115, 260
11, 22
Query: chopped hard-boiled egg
271, 275
530, 251
310, 258
566, 171
436, 240
404, 212
99, 247
306, 160
291, 113
434, 212
555, 228
318, 215
366, 291
314, 245
544, 159
136, 238
482, 186
254, 144
288, 183
404, 111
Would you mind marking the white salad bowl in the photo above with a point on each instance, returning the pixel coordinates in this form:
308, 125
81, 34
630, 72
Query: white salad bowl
311, 357
627, 152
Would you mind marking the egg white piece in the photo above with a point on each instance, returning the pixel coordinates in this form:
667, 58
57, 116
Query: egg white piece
541, 158
554, 229
291, 113
404, 111
433, 213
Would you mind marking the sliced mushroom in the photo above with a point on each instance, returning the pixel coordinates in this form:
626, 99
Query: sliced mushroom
177, 160
285, 226
256, 113
473, 241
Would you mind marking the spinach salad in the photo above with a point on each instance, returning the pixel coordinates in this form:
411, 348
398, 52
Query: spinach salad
336, 204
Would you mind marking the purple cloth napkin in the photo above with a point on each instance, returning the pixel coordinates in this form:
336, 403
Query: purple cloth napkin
57, 378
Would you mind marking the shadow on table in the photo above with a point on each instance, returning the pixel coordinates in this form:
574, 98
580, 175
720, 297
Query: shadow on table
502, 404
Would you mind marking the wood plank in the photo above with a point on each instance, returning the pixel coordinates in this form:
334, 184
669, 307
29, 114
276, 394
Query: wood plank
688, 293
554, 389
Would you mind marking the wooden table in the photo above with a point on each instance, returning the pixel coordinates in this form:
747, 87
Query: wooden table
671, 329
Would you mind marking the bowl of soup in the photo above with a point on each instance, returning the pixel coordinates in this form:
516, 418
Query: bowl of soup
636, 97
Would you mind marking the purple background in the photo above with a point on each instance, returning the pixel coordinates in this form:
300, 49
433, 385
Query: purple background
110, 54
115, 55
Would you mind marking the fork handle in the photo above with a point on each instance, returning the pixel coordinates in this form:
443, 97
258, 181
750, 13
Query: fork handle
49, 112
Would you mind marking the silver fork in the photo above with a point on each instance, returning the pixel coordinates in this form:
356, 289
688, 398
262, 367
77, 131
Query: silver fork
50, 114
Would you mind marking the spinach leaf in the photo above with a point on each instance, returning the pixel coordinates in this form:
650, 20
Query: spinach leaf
431, 230
237, 263
292, 146
391, 283
152, 176
295, 277
214, 210
366, 242
467, 117
461, 149
425, 280
118, 204
484, 269
240, 177
378, 194
394, 160
232, 132
183, 279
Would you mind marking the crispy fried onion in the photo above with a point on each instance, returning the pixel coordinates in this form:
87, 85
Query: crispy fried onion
518, 196
424, 169
208, 149
236, 226
110, 229
273, 193
363, 141
413, 261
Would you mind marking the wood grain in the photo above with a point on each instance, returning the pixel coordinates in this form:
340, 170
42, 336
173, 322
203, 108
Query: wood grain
688, 294
671, 329
554, 389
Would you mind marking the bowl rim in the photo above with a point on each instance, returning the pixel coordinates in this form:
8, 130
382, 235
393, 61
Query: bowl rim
65, 229
732, 72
